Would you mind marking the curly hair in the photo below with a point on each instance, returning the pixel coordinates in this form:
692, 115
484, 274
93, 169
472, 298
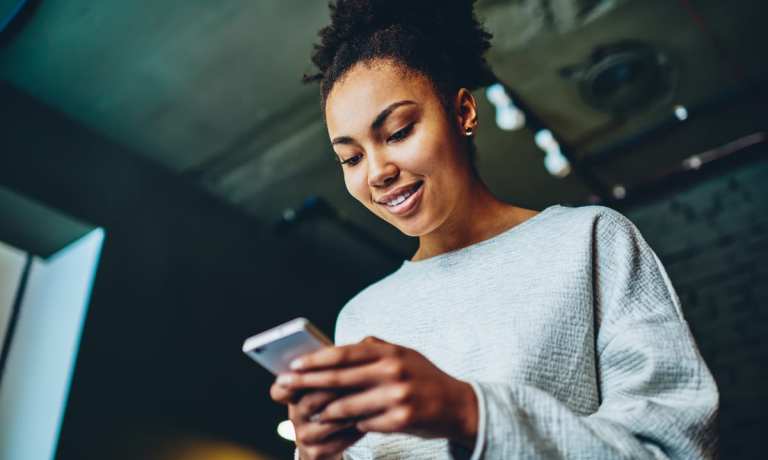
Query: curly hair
439, 39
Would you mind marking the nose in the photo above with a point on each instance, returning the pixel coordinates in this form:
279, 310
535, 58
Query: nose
381, 171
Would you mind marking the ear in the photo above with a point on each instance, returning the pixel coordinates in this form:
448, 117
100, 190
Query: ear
466, 110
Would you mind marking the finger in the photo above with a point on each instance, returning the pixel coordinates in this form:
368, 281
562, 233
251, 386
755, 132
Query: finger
397, 419
286, 395
333, 444
313, 402
366, 403
282, 394
369, 349
352, 377
316, 433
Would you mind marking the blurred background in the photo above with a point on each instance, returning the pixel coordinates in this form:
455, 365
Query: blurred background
171, 146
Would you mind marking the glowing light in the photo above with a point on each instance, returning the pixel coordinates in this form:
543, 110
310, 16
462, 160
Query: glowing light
619, 192
554, 160
508, 116
545, 140
285, 430
289, 214
557, 164
681, 112
497, 95
693, 162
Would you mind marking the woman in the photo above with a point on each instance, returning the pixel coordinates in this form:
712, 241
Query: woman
511, 333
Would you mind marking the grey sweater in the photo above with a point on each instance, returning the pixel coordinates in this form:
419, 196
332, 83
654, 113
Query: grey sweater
570, 333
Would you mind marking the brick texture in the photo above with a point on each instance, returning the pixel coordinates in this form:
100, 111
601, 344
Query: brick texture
713, 240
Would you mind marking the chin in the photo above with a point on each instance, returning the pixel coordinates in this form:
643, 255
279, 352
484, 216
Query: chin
415, 226
414, 229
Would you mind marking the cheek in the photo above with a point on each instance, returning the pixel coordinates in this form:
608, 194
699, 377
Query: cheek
357, 185
428, 153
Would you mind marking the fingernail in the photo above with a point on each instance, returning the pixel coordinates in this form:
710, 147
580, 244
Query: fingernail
296, 364
284, 379
314, 417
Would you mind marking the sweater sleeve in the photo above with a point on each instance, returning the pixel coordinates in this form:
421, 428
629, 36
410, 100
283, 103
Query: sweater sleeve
658, 400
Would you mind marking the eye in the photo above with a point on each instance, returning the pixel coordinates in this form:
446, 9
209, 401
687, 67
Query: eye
351, 161
401, 134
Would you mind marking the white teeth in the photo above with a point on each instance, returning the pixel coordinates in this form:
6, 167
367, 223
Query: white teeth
399, 199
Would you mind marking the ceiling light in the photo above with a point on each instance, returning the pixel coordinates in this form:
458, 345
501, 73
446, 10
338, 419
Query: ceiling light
681, 112
497, 95
554, 160
694, 162
556, 164
545, 140
508, 116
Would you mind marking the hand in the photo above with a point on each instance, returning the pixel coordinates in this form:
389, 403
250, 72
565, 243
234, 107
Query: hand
392, 389
315, 439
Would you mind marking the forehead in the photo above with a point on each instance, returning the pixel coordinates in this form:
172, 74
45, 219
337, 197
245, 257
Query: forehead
366, 89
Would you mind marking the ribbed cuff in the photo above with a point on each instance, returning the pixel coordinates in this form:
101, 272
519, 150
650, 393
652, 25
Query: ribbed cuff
459, 452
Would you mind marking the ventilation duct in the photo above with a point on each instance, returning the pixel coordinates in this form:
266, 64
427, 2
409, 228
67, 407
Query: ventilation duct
624, 77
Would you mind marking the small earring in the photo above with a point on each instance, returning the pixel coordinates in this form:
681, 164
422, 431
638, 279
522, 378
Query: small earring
468, 131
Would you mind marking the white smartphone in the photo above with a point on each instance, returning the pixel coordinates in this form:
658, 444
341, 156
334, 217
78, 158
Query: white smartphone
277, 347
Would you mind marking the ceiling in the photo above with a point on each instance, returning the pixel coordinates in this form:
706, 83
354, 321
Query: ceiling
211, 91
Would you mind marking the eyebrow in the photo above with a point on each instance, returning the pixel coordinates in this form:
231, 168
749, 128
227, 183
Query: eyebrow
377, 122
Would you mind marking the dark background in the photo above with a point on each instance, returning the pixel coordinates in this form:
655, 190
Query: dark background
120, 116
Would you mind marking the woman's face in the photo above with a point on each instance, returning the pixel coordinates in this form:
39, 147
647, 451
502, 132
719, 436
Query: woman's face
402, 157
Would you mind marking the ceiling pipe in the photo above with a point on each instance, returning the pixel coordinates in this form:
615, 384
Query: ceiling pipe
673, 122
712, 163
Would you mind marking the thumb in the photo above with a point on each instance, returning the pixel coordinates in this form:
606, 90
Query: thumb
372, 339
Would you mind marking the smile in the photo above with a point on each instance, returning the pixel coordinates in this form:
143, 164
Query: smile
405, 202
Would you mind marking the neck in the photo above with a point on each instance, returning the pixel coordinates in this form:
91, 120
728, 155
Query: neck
477, 216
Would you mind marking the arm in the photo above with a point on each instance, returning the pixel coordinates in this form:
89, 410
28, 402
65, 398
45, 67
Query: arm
658, 400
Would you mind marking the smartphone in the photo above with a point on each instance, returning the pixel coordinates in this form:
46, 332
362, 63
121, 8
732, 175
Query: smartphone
277, 347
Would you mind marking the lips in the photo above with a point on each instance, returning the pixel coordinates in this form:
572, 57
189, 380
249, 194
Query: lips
408, 205
389, 197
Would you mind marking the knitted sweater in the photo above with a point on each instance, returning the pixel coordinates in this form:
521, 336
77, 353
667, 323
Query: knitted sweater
570, 333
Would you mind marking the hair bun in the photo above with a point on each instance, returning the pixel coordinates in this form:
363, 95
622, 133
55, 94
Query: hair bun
352, 18
442, 38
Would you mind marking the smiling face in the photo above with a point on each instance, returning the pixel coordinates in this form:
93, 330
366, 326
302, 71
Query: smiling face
402, 156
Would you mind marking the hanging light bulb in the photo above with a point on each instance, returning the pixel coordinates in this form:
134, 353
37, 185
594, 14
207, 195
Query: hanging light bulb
545, 140
497, 95
556, 163
554, 160
508, 116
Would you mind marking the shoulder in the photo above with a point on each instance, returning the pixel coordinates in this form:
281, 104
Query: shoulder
594, 214
603, 222
582, 224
